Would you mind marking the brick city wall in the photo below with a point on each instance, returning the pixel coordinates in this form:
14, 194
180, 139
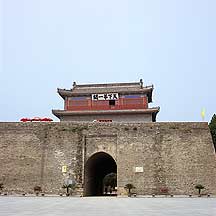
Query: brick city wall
176, 156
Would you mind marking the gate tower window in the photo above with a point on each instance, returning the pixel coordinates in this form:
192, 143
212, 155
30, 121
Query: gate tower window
112, 102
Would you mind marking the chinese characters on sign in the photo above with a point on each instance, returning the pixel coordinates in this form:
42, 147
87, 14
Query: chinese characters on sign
108, 96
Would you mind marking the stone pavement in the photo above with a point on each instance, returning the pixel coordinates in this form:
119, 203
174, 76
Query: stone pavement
106, 206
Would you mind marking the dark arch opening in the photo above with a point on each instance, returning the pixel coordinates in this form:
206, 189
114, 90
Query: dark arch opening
96, 168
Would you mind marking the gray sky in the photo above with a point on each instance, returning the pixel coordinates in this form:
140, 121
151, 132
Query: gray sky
47, 44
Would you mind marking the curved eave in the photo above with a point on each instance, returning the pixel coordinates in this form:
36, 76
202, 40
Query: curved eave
64, 92
59, 113
69, 93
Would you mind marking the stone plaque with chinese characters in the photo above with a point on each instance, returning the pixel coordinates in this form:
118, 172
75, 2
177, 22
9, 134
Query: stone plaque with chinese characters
64, 169
138, 169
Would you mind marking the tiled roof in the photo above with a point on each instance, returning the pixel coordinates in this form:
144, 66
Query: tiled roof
124, 88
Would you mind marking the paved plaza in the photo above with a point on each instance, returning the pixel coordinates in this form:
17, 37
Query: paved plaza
112, 206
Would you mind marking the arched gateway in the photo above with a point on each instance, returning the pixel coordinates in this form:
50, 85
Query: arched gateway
97, 167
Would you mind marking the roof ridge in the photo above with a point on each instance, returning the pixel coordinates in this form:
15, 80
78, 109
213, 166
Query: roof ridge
107, 84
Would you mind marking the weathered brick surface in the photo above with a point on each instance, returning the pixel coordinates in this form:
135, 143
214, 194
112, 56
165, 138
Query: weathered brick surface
173, 155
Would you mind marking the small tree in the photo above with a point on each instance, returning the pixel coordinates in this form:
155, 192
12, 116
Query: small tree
212, 126
37, 189
129, 187
199, 187
1, 187
69, 184
68, 187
